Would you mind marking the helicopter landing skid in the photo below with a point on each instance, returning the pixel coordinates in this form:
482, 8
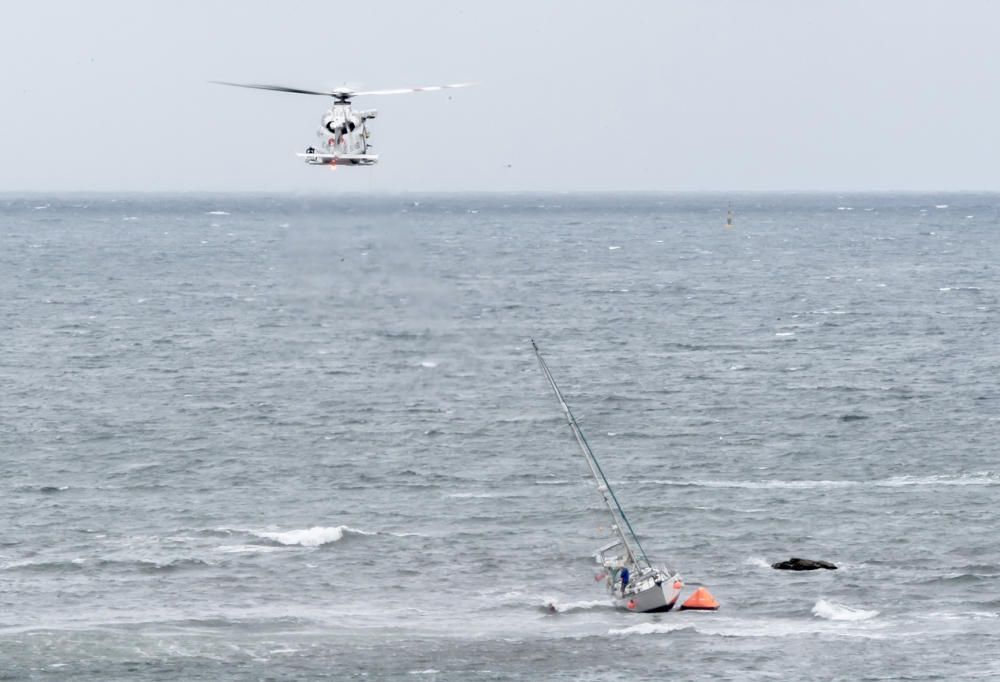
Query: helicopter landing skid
340, 159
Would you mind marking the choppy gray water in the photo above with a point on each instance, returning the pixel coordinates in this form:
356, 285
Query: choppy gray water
294, 439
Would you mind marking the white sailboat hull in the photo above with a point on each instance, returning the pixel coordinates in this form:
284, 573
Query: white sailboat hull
651, 598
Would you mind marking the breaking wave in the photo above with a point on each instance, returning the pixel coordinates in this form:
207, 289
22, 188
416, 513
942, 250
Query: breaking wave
832, 611
310, 537
650, 629
555, 606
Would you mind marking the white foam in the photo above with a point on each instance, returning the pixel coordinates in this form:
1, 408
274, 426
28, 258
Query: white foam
613, 248
429, 364
758, 562
560, 607
941, 206
217, 213
309, 537
833, 611
977, 478
754, 485
429, 671
248, 549
649, 629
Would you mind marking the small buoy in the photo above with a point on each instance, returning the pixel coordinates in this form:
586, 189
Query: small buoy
701, 600
600, 576
678, 584
631, 603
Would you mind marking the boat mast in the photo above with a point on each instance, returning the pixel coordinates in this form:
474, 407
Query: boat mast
618, 517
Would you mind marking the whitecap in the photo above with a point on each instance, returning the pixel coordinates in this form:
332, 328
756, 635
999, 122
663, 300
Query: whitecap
429, 364
753, 485
756, 561
248, 549
556, 606
974, 478
979, 478
833, 611
941, 206
217, 213
309, 537
613, 248
649, 629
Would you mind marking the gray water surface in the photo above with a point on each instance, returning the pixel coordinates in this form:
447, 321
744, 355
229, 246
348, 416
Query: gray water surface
286, 438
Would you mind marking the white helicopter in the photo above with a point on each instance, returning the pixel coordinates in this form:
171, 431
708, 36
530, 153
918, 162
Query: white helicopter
343, 131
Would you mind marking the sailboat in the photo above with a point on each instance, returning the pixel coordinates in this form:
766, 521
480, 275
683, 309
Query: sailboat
632, 580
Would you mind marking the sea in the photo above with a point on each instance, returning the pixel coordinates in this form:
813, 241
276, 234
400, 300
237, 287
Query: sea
284, 437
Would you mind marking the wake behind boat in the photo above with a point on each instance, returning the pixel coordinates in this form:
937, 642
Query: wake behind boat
630, 577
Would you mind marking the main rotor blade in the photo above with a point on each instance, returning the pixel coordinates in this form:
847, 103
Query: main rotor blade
279, 88
403, 91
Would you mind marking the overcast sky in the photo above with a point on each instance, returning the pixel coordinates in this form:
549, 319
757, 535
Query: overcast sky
574, 95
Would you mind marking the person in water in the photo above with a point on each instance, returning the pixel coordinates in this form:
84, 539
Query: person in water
625, 577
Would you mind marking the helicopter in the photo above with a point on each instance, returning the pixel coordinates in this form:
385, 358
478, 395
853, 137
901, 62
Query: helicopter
343, 131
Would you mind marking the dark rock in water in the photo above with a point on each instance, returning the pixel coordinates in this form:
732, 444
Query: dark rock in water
795, 564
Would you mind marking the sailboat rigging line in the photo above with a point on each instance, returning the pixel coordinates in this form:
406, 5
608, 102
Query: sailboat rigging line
595, 468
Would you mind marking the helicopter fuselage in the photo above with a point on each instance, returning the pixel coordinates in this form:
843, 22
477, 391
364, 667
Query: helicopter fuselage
343, 135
